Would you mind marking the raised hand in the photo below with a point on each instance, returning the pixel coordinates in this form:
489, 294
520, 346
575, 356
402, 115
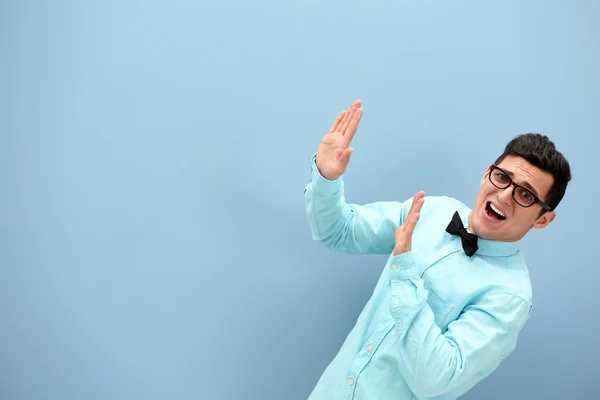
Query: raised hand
334, 151
403, 234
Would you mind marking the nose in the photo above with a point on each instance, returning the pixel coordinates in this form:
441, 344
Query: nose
505, 196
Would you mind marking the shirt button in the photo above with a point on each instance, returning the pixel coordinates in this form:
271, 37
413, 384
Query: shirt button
350, 382
444, 252
370, 348
394, 266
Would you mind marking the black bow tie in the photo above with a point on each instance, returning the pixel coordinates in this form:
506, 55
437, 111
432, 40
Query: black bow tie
469, 240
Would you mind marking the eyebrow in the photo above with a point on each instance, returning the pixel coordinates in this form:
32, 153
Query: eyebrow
525, 184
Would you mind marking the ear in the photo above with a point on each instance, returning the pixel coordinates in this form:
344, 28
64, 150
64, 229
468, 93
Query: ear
544, 220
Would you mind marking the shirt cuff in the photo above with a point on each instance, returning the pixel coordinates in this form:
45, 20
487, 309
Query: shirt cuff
403, 267
321, 184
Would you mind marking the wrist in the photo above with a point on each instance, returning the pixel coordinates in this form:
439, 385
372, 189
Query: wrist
322, 184
401, 250
322, 172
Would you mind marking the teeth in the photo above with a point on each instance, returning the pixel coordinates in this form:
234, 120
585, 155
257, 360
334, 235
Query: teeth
496, 210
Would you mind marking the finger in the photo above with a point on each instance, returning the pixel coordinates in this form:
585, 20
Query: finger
348, 114
414, 209
417, 197
337, 121
346, 121
353, 126
412, 222
419, 205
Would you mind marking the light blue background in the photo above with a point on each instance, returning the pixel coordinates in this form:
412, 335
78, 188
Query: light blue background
153, 241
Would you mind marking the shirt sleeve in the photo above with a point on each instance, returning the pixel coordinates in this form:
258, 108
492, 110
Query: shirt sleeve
349, 228
473, 345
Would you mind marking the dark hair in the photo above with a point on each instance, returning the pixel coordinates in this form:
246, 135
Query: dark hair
538, 150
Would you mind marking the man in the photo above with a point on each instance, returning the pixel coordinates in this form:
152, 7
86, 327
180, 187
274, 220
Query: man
455, 291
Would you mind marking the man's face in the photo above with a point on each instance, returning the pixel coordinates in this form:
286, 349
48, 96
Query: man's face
518, 220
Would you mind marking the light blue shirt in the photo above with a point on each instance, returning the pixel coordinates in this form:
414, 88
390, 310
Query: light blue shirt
438, 321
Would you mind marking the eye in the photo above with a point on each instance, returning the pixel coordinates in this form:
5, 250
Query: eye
501, 177
527, 195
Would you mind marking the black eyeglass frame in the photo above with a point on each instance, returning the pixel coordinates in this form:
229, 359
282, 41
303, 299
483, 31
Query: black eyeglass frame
511, 182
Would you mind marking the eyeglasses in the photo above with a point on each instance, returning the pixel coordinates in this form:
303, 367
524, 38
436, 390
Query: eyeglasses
522, 196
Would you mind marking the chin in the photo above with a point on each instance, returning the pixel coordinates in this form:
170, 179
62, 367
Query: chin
486, 222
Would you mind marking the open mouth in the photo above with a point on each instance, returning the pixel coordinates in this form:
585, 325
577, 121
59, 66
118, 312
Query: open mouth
493, 212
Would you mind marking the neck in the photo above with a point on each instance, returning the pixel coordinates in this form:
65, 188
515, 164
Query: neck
470, 223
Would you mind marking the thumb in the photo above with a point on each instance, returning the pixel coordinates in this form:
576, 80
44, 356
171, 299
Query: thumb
346, 156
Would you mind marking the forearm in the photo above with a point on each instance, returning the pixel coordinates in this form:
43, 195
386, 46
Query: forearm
349, 228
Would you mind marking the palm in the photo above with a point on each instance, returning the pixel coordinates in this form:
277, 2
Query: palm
331, 151
403, 234
334, 151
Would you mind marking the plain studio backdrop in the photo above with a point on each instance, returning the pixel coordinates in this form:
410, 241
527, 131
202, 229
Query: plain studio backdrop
153, 237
